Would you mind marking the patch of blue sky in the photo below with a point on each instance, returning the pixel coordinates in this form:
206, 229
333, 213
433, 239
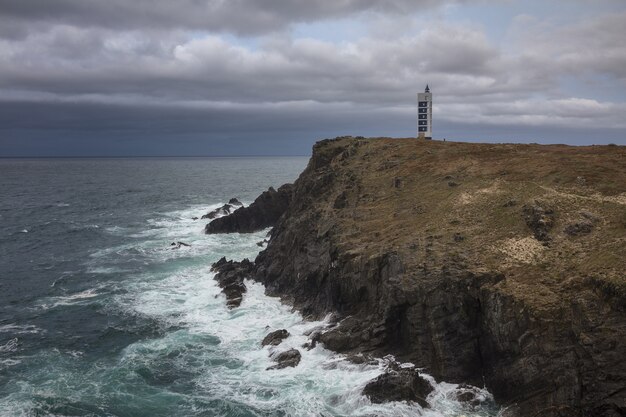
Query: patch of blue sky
601, 87
248, 42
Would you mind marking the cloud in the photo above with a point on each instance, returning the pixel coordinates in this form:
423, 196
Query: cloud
246, 17
124, 68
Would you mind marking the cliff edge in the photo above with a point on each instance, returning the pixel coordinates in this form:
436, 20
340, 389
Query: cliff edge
493, 264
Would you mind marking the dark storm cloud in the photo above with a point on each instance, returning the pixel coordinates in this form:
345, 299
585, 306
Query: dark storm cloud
238, 16
118, 75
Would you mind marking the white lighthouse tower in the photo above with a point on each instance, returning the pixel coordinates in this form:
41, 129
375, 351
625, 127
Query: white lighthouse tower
425, 114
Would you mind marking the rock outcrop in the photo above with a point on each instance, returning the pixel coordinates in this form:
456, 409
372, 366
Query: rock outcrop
262, 213
399, 385
287, 359
275, 338
457, 279
229, 276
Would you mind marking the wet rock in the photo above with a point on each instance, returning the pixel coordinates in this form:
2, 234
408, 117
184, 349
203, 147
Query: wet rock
225, 210
262, 243
178, 245
361, 359
275, 338
194, 218
234, 202
540, 219
399, 385
229, 276
471, 395
262, 213
289, 358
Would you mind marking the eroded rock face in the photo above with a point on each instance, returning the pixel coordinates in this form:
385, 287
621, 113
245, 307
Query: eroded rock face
275, 338
262, 213
230, 276
289, 358
399, 385
546, 334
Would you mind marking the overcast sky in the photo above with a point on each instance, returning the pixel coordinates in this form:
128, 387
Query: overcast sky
270, 77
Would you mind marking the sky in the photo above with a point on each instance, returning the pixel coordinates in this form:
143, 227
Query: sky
270, 77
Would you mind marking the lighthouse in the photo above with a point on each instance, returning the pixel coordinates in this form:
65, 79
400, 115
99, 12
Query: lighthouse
425, 114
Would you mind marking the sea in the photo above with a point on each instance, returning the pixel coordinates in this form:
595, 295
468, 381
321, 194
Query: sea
101, 316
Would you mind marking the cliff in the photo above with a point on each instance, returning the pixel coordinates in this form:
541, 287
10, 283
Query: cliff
489, 264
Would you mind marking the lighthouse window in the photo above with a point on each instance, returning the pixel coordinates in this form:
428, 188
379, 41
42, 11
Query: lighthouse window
423, 122
423, 104
422, 110
422, 116
423, 129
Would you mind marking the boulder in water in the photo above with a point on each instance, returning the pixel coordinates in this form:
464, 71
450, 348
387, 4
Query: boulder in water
275, 338
401, 384
289, 358
230, 276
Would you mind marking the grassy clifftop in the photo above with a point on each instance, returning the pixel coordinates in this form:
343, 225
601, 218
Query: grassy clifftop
481, 204
483, 263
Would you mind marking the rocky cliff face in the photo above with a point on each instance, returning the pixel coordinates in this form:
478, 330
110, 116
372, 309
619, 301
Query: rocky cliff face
469, 260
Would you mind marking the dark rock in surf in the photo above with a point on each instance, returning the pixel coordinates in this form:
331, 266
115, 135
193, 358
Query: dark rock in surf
470, 395
262, 213
399, 385
289, 358
178, 245
275, 338
234, 202
225, 210
229, 276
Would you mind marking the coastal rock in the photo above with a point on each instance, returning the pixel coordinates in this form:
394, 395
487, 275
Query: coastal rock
235, 202
262, 213
220, 211
399, 385
229, 276
275, 338
289, 358
541, 326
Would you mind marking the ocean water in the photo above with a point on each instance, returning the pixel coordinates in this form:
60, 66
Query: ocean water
99, 316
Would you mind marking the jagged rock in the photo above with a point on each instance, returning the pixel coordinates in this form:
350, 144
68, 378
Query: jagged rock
262, 213
229, 276
194, 218
288, 358
545, 336
275, 338
220, 211
471, 395
540, 219
234, 202
399, 385
178, 245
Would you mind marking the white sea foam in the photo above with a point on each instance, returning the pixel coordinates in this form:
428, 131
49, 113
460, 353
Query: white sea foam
20, 329
10, 346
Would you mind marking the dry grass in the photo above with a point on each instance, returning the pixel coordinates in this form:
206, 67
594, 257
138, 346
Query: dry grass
465, 200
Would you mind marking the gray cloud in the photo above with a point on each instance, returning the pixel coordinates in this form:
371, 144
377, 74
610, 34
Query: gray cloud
98, 68
246, 17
